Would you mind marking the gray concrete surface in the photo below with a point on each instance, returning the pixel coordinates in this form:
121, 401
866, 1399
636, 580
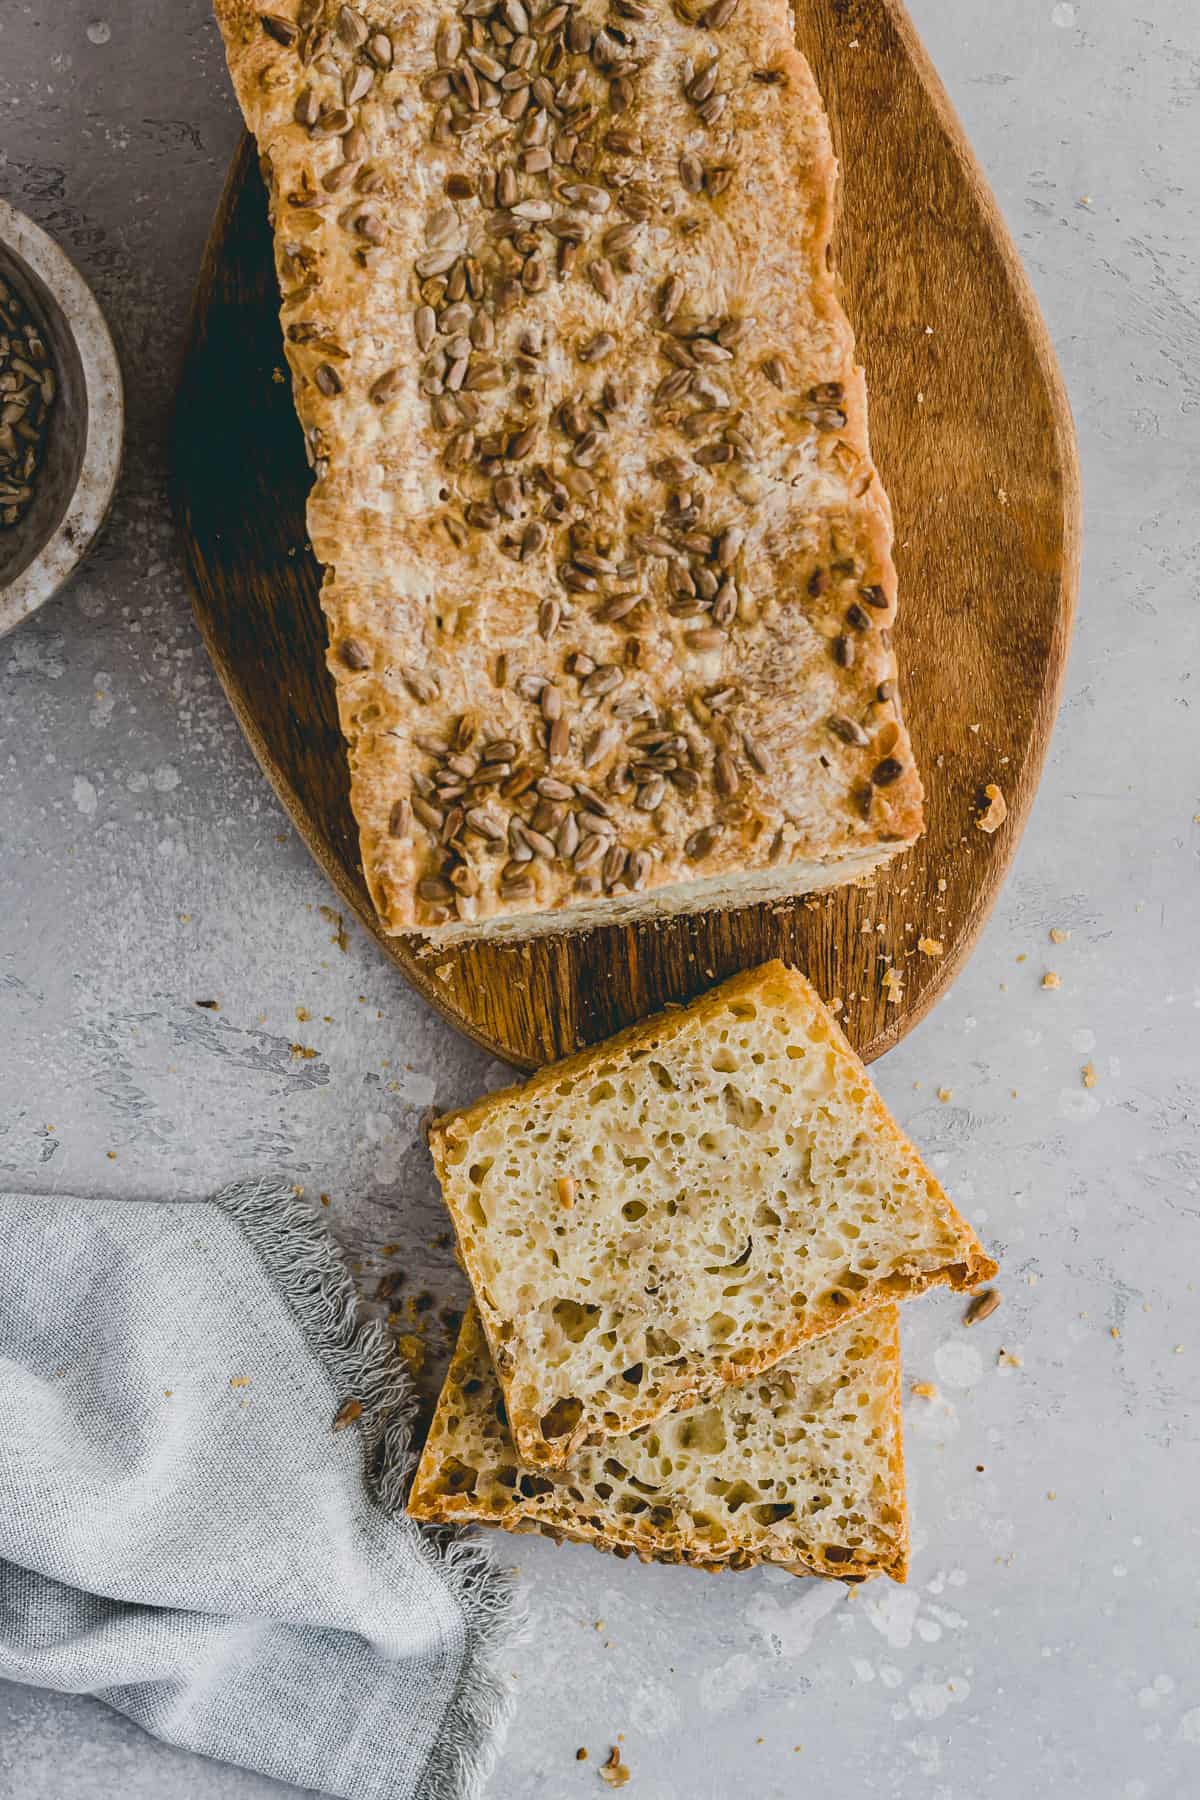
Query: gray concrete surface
1048, 1642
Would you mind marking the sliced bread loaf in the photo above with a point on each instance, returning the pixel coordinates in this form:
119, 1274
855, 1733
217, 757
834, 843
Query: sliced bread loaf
801, 1466
680, 1208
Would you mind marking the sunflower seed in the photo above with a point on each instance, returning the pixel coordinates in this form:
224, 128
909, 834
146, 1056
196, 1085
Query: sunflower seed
670, 298
448, 43
651, 794
726, 778
613, 866
886, 772
725, 604
701, 842
578, 35
432, 887
420, 684
549, 616
559, 741
284, 31
593, 804
430, 816
601, 681
600, 745
387, 386
619, 607
517, 886
307, 109
597, 348
400, 819
981, 1306
351, 28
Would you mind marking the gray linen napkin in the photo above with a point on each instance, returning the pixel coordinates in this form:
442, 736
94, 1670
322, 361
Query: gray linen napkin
185, 1535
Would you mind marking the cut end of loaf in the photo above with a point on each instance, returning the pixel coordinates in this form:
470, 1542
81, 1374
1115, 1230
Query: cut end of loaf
802, 1468
677, 1210
717, 892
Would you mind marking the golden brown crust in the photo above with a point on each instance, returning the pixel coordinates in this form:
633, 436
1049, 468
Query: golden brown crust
960, 1267
847, 1521
761, 764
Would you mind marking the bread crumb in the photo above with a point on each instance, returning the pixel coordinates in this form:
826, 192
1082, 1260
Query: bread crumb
942, 884
346, 1414
339, 927
1051, 1494
1088, 1075
239, 1381
111, 1155
581, 1753
209, 1005
945, 1094
995, 810
1057, 935
929, 946
925, 1390
325, 1200
1113, 1332
614, 1771
303, 1014
303, 1052
1006, 1360
1051, 980
893, 986
444, 971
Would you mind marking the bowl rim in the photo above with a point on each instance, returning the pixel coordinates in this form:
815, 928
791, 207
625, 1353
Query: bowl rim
91, 497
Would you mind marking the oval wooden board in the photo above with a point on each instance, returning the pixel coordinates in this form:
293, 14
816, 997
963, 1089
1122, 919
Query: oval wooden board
973, 437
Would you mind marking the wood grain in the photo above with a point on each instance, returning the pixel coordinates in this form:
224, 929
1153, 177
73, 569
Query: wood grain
973, 437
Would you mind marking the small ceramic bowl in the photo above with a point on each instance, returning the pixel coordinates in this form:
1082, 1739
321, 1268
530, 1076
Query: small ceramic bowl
82, 451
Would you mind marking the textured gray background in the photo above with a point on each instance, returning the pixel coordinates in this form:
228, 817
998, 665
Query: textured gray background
1048, 1642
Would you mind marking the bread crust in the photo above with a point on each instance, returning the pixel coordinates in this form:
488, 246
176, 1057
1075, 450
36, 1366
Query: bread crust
606, 1061
757, 785
558, 1514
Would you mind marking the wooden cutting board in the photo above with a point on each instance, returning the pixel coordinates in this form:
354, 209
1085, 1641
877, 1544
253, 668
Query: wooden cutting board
973, 437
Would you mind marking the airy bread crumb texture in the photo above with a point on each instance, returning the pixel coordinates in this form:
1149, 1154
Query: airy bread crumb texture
801, 1466
677, 1210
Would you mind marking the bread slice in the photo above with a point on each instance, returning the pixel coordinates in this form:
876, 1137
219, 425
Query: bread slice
609, 578
802, 1466
679, 1208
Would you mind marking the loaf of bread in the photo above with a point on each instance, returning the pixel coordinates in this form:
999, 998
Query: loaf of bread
802, 1466
681, 1207
608, 569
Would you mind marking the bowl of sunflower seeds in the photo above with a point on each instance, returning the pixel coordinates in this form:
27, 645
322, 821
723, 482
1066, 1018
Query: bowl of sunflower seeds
62, 415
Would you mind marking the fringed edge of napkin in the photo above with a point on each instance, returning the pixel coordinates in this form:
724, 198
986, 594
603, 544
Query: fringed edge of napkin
309, 1272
